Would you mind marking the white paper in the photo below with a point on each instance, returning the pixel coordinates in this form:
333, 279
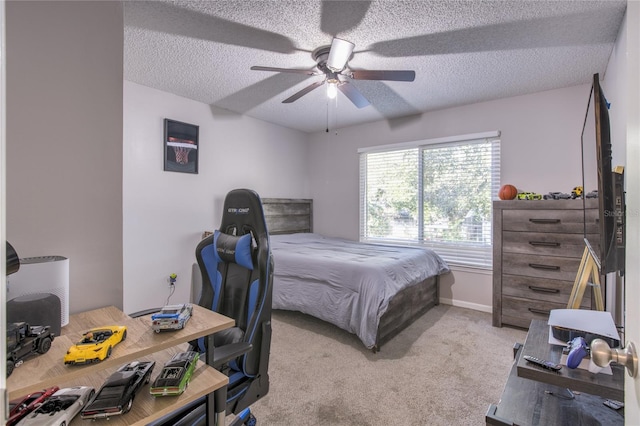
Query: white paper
585, 365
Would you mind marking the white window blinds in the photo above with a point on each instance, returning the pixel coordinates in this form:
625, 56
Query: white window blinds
434, 193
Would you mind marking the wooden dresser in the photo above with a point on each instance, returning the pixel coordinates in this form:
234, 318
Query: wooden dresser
537, 248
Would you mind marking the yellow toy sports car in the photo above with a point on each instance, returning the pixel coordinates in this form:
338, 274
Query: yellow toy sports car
96, 345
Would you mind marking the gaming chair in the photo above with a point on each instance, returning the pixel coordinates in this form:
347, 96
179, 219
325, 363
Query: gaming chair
237, 268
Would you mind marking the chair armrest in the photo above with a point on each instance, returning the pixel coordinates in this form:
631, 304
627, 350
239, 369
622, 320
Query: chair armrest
224, 354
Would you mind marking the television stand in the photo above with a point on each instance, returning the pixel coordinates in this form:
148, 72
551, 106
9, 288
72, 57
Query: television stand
534, 396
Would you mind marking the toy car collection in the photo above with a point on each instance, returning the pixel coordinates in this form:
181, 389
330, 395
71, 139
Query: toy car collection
96, 345
60, 408
171, 317
24, 340
21, 407
175, 375
576, 192
116, 395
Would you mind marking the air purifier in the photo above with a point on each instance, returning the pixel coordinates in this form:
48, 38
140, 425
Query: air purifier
44, 274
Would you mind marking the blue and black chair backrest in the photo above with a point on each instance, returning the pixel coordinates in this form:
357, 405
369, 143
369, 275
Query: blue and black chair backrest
237, 267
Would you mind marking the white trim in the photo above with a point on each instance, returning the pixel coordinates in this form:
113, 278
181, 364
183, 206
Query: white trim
415, 144
468, 305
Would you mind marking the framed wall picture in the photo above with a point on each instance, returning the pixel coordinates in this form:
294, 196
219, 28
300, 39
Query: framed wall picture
180, 147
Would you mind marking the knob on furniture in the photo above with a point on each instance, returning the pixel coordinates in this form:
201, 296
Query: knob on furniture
602, 355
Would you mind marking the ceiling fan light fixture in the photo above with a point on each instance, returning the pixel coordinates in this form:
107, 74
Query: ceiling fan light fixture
339, 54
332, 89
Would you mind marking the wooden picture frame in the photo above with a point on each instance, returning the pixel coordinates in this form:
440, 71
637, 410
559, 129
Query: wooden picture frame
180, 146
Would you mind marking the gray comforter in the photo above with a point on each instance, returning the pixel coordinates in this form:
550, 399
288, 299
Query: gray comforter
346, 283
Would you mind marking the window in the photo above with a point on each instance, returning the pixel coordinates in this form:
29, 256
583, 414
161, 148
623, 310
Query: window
434, 193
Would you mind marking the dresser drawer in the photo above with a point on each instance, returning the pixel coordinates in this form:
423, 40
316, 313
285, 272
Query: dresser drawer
564, 221
554, 268
545, 243
541, 289
520, 312
537, 250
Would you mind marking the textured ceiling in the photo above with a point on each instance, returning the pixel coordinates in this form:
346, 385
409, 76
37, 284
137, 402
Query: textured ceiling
462, 52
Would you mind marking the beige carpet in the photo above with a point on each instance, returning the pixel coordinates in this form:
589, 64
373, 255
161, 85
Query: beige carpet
445, 369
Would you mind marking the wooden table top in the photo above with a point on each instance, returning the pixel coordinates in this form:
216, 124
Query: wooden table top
41, 371
537, 345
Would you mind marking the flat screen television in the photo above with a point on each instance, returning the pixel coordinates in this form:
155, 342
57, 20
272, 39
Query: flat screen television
610, 181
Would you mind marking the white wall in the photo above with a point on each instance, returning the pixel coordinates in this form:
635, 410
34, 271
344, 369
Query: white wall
64, 141
540, 152
615, 87
165, 213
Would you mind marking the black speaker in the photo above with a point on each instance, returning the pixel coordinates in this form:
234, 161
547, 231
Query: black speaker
36, 309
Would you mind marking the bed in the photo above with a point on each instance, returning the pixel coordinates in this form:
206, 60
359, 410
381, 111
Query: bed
373, 291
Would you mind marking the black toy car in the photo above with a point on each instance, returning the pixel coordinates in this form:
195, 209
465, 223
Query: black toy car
116, 395
24, 340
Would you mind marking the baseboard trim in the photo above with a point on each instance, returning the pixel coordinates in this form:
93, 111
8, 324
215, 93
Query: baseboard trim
468, 305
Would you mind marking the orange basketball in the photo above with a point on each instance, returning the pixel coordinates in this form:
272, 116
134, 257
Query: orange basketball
507, 192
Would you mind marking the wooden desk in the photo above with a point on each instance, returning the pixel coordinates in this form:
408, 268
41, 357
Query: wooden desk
527, 402
142, 343
537, 345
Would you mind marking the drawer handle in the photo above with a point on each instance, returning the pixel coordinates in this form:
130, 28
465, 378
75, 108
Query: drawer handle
546, 221
539, 311
543, 289
544, 243
546, 267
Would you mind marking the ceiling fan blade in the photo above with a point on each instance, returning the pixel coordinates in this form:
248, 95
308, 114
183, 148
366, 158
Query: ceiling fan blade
396, 75
353, 94
289, 70
303, 92
339, 54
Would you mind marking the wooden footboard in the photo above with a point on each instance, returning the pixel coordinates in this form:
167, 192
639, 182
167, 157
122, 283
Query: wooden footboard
405, 307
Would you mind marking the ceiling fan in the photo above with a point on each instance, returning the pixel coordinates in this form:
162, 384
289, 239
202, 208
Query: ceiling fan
332, 61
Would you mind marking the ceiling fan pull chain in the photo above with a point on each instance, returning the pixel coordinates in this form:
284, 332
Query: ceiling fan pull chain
328, 102
335, 120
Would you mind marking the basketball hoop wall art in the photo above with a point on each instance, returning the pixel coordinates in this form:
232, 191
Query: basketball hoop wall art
180, 147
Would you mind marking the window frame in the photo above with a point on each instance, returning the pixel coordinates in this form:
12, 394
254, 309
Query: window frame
475, 256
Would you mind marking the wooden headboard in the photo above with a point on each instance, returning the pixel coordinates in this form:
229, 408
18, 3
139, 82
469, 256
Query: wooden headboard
288, 215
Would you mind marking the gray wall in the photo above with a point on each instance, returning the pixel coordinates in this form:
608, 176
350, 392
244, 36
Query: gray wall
165, 213
64, 141
540, 152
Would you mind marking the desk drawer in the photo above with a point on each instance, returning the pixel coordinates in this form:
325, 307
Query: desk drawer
520, 312
541, 289
554, 268
545, 243
564, 221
